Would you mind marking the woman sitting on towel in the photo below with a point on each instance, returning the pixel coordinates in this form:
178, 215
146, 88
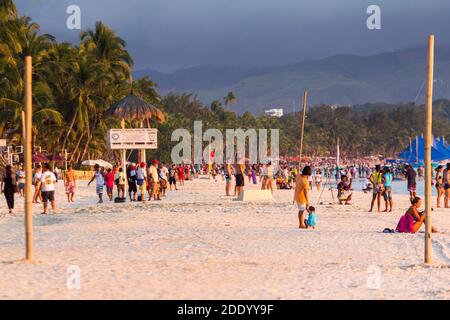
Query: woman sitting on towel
413, 219
344, 190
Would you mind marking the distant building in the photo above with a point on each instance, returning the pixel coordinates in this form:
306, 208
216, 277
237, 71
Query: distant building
274, 112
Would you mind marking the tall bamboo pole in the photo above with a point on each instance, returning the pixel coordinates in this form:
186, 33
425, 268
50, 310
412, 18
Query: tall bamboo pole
429, 119
302, 130
124, 159
28, 160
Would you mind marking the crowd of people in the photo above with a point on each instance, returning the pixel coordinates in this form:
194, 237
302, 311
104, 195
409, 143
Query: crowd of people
151, 181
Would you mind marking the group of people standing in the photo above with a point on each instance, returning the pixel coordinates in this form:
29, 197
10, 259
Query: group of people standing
143, 179
12, 181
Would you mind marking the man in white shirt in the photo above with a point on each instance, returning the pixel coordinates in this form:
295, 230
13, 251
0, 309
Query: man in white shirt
141, 175
47, 188
99, 182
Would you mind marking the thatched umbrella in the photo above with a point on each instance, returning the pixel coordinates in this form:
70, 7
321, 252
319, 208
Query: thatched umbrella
132, 107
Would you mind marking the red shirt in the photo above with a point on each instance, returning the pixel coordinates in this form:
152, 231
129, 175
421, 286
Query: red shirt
109, 180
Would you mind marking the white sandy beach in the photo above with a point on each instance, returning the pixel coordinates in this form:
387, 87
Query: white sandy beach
198, 244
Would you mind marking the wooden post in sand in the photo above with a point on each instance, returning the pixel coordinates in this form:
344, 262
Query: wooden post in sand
428, 173
124, 158
302, 131
28, 160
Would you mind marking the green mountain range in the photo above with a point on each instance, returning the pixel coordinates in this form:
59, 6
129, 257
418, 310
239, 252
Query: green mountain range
345, 79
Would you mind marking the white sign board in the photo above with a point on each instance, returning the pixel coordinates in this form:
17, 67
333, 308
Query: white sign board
132, 138
2, 142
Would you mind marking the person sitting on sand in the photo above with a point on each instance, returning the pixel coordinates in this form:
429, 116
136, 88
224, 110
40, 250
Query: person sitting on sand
311, 222
413, 219
344, 190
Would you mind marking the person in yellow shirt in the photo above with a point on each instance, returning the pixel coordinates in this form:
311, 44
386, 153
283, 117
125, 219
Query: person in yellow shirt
376, 179
301, 194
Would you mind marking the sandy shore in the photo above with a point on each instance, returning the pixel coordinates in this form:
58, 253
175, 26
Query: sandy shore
199, 244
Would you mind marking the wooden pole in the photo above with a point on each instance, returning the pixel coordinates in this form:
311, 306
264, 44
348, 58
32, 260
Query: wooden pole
28, 160
302, 131
428, 173
124, 159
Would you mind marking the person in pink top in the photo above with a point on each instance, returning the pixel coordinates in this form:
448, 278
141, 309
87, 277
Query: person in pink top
181, 174
109, 182
413, 219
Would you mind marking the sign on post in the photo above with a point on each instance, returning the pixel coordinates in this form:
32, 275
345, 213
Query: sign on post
132, 138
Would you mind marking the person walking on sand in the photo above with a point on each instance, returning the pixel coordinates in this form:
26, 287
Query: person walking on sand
446, 183
439, 185
99, 182
8, 186
132, 187
240, 181
173, 177
109, 182
387, 192
301, 194
228, 174
20, 177
410, 174
119, 178
155, 180
376, 179
318, 179
47, 188
141, 175
70, 183
37, 184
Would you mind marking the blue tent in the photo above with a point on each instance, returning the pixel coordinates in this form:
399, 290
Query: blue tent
415, 152
442, 146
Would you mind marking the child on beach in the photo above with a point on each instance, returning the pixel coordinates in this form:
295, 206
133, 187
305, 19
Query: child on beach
312, 218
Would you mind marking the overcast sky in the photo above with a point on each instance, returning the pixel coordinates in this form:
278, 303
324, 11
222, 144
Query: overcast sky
169, 34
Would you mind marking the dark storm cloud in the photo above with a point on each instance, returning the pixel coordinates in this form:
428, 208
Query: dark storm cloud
168, 34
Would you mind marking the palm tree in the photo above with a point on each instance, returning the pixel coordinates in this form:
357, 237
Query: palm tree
229, 99
108, 49
8, 11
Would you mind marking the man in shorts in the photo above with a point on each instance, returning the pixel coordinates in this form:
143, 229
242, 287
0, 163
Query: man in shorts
99, 182
172, 177
240, 182
410, 174
301, 195
47, 188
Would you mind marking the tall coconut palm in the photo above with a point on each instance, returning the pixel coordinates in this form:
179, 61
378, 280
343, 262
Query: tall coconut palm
8, 11
229, 99
108, 49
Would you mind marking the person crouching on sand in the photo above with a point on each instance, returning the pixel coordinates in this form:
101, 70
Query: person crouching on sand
344, 190
311, 222
413, 219
301, 195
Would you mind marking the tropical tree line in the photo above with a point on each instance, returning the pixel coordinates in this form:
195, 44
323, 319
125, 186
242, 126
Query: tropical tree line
73, 85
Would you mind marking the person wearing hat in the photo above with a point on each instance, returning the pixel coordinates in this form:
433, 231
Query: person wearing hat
141, 175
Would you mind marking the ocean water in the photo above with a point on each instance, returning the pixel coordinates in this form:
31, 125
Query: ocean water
398, 187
